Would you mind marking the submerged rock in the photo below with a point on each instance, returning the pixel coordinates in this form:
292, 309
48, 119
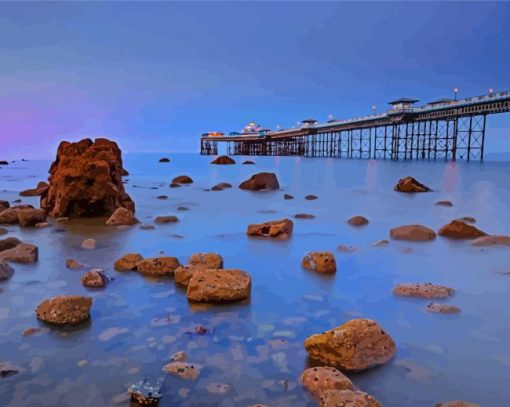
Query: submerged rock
158, 266
287, 197
166, 219
88, 244
218, 388
128, 262
183, 370
423, 290
409, 184
304, 216
219, 285
347, 398
460, 230
122, 217
442, 308
224, 160
311, 197
182, 179
261, 181
13, 250
321, 262
94, 279
174, 185
277, 229
417, 233
357, 345
164, 160
494, 240
70, 309
41, 188
357, 221
209, 260
86, 180
319, 379
162, 197
443, 203
6, 271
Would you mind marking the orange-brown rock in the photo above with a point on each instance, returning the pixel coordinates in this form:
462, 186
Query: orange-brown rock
224, 160
86, 180
347, 398
158, 266
219, 285
423, 290
458, 229
183, 274
442, 308
122, 217
277, 229
319, 379
183, 370
357, 345
262, 180
128, 262
412, 233
182, 179
494, 240
357, 221
94, 279
321, 262
209, 260
71, 309
38, 191
409, 184
457, 403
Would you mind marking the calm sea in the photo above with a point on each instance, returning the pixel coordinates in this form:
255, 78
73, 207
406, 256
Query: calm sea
257, 347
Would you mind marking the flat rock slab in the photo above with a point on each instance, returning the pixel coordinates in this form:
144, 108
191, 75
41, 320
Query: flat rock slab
128, 262
357, 345
277, 229
415, 233
219, 285
183, 370
158, 266
495, 240
71, 309
348, 398
22, 253
319, 379
436, 308
320, 262
409, 184
458, 229
423, 290
209, 260
261, 181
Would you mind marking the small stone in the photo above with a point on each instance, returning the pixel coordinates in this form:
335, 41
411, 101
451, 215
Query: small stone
409, 184
457, 229
164, 160
287, 197
304, 216
311, 197
94, 279
412, 233
319, 379
379, 243
182, 179
443, 203
147, 227
278, 229
6, 271
320, 262
223, 160
179, 357
218, 388
442, 308
357, 221
183, 370
128, 262
423, 290
88, 244
73, 264
166, 219
248, 162
346, 249
3, 231
32, 331
162, 197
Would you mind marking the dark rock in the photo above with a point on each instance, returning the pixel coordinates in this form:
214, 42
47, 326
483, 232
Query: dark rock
164, 160
358, 221
166, 219
163, 197
311, 197
304, 216
248, 162
6, 271
287, 197
31, 217
409, 184
3, 162
457, 229
182, 179
224, 160
3, 231
88, 244
260, 181
444, 203
8, 369
71, 309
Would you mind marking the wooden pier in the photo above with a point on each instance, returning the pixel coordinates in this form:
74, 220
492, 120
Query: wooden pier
445, 129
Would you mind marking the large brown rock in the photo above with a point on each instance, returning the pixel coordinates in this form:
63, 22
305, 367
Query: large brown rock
348, 398
423, 290
13, 250
357, 345
224, 160
277, 229
412, 233
41, 188
158, 266
31, 217
494, 240
71, 309
319, 379
458, 229
321, 262
209, 260
262, 180
86, 180
128, 262
219, 285
122, 217
409, 184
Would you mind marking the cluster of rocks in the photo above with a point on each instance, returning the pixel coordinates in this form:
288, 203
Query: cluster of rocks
456, 229
23, 215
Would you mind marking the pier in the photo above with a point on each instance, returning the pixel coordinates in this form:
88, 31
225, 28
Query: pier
443, 129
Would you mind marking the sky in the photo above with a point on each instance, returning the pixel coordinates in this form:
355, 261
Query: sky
154, 76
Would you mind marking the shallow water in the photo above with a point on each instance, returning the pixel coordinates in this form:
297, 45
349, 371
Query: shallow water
257, 347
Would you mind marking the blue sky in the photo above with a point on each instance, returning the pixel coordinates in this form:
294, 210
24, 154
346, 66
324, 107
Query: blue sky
154, 76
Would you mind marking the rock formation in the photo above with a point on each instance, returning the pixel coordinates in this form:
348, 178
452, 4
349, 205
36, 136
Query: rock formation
224, 160
261, 181
458, 229
412, 233
357, 345
321, 262
24, 215
71, 309
219, 285
409, 184
86, 180
277, 229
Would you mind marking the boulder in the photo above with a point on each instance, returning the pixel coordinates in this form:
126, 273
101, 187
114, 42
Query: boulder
164, 160
321, 262
86, 180
494, 240
457, 403
260, 181
423, 290
122, 217
224, 160
277, 229
248, 162
183, 370
18, 253
6, 271
128, 262
31, 217
3, 162
166, 219
357, 221
219, 285
413, 233
9, 216
357, 345
409, 184
88, 244
311, 197
319, 379
73, 264
70, 309
347, 398
442, 308
158, 266
209, 260
41, 188
444, 203
182, 179
94, 279
287, 197
304, 216
458, 229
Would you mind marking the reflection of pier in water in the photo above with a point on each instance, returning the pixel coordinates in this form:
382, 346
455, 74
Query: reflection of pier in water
447, 129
